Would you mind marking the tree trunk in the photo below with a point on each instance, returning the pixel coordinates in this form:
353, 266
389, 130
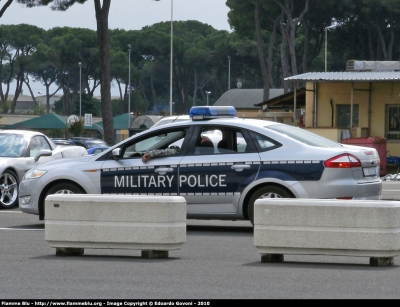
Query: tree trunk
18, 89
195, 87
105, 69
292, 23
260, 48
284, 62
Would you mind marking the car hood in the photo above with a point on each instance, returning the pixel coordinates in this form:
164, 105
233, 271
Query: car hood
70, 161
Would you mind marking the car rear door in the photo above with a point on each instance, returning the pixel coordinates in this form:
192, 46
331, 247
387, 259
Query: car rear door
212, 181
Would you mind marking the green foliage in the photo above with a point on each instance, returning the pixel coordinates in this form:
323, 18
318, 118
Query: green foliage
77, 127
5, 106
56, 133
38, 111
361, 29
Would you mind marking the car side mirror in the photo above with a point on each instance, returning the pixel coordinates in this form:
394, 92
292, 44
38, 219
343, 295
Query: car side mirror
43, 153
116, 153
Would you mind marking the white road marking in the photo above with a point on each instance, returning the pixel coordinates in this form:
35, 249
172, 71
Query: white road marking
29, 229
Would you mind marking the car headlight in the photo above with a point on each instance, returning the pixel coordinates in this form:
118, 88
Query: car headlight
35, 174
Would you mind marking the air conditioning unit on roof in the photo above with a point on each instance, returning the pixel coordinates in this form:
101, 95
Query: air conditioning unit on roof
354, 65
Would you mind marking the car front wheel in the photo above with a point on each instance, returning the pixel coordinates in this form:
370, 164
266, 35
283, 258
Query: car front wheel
8, 190
265, 192
61, 188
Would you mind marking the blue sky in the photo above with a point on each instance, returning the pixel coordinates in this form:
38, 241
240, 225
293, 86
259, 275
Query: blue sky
124, 14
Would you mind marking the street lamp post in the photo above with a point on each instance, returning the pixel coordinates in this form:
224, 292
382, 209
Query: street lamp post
170, 69
129, 85
171, 59
172, 49
208, 93
80, 89
326, 48
229, 79
229, 72
326, 45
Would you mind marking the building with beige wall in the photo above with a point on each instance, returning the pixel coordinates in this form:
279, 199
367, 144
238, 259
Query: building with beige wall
365, 103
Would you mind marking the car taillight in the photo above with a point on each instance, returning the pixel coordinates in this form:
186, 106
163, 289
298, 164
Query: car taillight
343, 161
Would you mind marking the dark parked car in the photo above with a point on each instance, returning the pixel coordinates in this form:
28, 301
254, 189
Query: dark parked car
96, 150
62, 141
88, 142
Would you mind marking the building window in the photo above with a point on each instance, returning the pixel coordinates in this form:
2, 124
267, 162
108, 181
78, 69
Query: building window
343, 112
392, 122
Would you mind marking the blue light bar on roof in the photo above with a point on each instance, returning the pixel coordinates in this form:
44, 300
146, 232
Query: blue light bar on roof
199, 113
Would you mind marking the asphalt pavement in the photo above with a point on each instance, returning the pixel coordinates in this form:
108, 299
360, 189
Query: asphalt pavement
218, 261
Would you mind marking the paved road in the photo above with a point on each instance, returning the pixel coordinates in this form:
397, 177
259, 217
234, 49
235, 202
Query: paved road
218, 261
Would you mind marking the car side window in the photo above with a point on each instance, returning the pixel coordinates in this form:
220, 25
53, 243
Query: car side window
219, 140
38, 143
264, 143
158, 140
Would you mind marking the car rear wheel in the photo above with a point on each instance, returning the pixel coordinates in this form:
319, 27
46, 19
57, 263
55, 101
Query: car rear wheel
265, 192
61, 188
8, 190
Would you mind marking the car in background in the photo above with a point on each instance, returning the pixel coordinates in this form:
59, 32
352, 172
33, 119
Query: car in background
97, 150
88, 142
19, 151
62, 142
253, 159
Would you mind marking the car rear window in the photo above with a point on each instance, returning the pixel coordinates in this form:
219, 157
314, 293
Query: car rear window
304, 136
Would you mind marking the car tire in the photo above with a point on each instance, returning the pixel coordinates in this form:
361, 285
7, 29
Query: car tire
61, 188
265, 192
8, 190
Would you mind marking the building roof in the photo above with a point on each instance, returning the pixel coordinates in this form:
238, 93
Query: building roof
144, 122
20, 97
285, 100
348, 76
54, 121
48, 121
121, 122
245, 98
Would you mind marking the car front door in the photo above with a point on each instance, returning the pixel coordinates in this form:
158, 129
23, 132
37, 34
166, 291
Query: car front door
158, 176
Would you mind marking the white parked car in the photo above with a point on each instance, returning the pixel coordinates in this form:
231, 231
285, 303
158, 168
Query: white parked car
19, 151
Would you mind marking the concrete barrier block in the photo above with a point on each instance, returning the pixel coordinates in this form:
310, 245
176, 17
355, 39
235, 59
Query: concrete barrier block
390, 190
153, 224
327, 227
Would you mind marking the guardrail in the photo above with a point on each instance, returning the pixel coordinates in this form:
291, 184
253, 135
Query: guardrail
153, 224
366, 228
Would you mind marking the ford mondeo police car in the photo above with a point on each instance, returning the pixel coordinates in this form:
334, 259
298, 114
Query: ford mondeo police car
243, 160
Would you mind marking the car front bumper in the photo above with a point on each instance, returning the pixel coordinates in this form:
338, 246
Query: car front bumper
29, 196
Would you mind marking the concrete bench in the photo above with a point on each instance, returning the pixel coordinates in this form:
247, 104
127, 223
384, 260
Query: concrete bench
153, 224
390, 190
369, 228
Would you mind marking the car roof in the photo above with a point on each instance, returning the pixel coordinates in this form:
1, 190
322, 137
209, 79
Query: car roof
171, 119
83, 138
236, 121
22, 132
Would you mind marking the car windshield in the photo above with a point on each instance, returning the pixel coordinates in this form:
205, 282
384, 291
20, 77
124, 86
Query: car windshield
12, 145
304, 136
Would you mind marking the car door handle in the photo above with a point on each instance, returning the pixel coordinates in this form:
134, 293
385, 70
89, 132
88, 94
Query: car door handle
240, 167
164, 170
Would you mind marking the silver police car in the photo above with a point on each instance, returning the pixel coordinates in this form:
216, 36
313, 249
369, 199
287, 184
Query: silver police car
224, 164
